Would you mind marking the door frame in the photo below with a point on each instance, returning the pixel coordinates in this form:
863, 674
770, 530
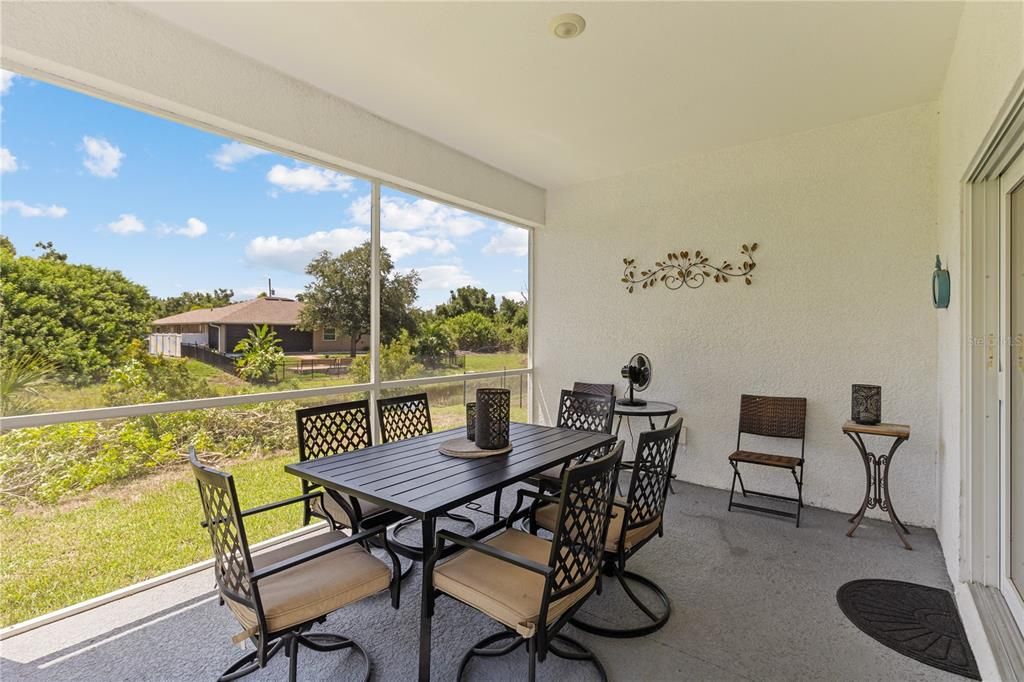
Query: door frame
1010, 180
980, 296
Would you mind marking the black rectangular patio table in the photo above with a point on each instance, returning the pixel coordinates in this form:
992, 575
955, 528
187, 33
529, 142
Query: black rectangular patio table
413, 477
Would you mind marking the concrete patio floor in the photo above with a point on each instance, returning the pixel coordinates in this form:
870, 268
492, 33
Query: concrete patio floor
753, 598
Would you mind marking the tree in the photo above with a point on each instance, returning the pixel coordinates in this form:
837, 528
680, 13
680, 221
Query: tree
79, 317
193, 300
433, 342
468, 300
339, 295
261, 354
473, 331
513, 313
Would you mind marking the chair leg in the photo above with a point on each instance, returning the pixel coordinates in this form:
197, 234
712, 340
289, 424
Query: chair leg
657, 621
584, 654
799, 494
531, 651
497, 505
732, 490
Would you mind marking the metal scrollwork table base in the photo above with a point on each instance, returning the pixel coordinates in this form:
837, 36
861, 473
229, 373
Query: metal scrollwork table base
876, 472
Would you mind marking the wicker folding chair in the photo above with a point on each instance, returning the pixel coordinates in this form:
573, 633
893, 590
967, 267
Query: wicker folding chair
332, 430
279, 594
530, 585
401, 418
635, 520
775, 418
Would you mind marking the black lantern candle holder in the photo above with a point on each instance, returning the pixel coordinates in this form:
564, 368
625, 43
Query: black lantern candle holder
493, 407
866, 405
471, 421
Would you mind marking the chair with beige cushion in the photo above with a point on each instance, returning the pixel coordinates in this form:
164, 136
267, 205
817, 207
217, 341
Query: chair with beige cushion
533, 586
279, 594
581, 412
332, 430
635, 520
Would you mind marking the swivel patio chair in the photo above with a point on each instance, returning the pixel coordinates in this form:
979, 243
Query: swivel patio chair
332, 430
401, 418
636, 519
279, 594
775, 418
580, 411
530, 585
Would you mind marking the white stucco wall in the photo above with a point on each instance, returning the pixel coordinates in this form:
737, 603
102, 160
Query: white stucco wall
845, 219
128, 54
987, 59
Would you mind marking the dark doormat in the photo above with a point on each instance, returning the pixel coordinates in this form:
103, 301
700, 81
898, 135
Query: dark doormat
917, 621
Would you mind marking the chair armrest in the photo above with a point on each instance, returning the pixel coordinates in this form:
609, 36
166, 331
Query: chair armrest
274, 505
491, 551
300, 559
523, 493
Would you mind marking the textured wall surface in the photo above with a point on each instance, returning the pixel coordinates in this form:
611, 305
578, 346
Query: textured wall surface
845, 218
987, 58
132, 55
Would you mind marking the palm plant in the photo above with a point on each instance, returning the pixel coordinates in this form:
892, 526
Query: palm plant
21, 379
261, 354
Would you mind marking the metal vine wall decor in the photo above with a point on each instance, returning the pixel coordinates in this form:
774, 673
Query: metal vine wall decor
691, 270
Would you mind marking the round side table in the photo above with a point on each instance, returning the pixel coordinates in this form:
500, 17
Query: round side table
652, 409
876, 472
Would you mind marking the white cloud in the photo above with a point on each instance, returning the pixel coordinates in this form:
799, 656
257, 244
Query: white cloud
102, 158
417, 215
514, 241
194, 227
126, 224
36, 211
444, 277
403, 244
516, 296
6, 80
8, 161
230, 154
294, 254
308, 179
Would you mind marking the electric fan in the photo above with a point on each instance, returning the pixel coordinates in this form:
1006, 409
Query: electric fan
638, 371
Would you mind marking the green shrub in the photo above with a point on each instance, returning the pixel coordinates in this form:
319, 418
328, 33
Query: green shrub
47, 463
473, 331
261, 354
145, 378
434, 342
396, 362
22, 376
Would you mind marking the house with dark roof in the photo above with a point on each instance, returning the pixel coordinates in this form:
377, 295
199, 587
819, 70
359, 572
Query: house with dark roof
220, 329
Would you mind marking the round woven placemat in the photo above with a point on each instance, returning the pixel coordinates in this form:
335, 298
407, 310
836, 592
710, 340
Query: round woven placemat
464, 447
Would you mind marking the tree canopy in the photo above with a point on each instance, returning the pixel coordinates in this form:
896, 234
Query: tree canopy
193, 300
468, 300
339, 295
79, 317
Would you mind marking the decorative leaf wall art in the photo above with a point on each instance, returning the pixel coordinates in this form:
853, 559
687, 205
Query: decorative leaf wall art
681, 268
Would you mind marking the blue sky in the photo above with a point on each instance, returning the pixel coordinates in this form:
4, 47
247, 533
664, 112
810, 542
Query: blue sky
175, 208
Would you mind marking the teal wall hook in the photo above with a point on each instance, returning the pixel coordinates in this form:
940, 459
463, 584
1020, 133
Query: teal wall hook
940, 285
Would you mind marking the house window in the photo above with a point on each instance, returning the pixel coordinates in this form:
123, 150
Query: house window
329, 334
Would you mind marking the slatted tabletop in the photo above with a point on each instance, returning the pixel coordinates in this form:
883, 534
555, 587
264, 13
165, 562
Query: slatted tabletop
413, 477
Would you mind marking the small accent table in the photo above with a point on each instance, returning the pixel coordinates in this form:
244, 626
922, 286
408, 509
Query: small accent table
652, 409
876, 472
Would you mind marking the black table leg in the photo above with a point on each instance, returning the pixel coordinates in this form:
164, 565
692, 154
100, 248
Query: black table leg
876, 489
425, 599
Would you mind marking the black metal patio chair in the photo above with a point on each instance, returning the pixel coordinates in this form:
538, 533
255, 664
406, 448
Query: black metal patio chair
401, 418
636, 519
332, 430
530, 585
772, 417
279, 594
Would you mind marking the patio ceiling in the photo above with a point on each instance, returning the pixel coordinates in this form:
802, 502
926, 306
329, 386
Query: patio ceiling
644, 84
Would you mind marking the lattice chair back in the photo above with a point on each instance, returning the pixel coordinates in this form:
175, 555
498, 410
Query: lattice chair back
577, 547
773, 416
333, 429
595, 389
586, 411
232, 563
652, 471
404, 417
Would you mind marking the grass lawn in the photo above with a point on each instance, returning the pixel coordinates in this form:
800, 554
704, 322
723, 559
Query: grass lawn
118, 535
